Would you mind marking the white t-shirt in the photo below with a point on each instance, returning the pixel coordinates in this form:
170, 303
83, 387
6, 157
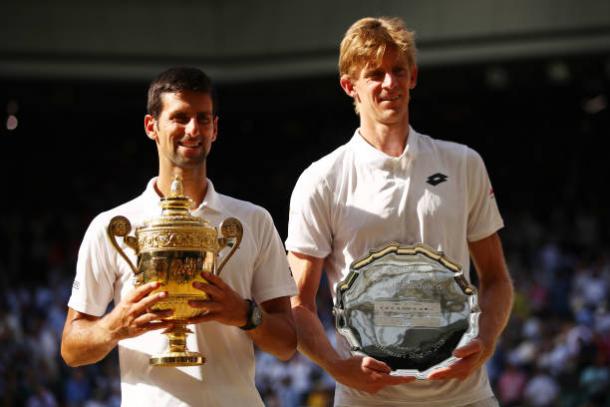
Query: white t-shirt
258, 270
358, 198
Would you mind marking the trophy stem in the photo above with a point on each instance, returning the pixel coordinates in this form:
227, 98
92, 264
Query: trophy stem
177, 354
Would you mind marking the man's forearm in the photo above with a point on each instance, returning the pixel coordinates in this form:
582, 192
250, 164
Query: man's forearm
276, 335
312, 339
88, 339
496, 303
85, 342
495, 288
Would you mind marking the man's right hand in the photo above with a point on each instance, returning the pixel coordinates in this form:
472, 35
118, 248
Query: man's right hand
360, 372
133, 317
88, 339
366, 374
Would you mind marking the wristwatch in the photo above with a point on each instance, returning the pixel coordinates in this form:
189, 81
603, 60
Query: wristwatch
254, 317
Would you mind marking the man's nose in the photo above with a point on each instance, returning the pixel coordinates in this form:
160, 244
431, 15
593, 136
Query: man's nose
389, 80
192, 128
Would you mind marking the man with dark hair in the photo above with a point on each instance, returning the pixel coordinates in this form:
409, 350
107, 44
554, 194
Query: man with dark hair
175, 80
181, 120
391, 183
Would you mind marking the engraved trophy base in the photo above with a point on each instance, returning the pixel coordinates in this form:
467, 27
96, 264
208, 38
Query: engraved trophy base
174, 359
178, 354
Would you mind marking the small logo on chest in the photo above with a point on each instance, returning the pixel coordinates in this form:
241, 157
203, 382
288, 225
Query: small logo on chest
436, 179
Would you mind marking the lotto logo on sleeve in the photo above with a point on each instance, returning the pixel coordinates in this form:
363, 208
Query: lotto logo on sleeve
75, 285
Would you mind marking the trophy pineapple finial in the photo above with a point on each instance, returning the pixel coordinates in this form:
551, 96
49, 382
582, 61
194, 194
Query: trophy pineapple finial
176, 203
177, 189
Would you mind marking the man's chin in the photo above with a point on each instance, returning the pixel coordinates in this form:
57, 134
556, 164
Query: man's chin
191, 162
392, 117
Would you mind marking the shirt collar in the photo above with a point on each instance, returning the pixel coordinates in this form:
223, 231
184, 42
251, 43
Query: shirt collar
151, 195
212, 199
369, 154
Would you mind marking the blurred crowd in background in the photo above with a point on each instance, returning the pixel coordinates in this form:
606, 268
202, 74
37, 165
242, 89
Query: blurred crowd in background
554, 352
540, 139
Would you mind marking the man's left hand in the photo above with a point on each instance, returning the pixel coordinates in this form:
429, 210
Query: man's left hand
471, 357
223, 305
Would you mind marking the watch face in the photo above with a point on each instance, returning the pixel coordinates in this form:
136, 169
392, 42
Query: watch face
257, 316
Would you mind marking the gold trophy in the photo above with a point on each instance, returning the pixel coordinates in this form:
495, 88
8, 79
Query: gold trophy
175, 249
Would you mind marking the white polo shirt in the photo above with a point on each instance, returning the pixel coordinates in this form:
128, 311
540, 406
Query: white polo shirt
258, 270
358, 198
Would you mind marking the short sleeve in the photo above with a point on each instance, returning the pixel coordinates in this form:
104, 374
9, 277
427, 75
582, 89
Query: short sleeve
309, 222
484, 218
93, 287
272, 276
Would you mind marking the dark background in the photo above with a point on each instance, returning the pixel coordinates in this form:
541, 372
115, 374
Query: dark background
80, 146
541, 125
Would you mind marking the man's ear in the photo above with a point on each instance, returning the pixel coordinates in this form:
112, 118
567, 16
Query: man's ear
215, 128
149, 127
413, 77
347, 85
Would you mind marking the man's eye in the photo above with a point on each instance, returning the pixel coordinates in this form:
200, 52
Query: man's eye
182, 119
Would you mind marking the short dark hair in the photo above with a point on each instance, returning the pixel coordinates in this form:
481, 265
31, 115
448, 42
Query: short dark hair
178, 79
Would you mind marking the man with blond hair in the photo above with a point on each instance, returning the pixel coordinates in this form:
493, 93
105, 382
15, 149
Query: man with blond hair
391, 183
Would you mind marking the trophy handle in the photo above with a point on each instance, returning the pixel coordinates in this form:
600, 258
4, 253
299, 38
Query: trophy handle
120, 226
230, 228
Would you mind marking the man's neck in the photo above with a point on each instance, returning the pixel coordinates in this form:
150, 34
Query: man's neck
194, 182
390, 139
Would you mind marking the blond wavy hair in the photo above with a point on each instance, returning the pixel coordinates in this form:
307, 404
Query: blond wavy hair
367, 40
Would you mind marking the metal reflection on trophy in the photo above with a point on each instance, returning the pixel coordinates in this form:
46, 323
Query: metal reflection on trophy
408, 306
175, 249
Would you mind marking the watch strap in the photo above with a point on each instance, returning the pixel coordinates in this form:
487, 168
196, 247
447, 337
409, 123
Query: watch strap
250, 323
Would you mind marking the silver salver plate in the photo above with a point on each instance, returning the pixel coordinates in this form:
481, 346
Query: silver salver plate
408, 306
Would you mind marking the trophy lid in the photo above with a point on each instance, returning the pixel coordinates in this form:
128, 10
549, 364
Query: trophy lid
175, 209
